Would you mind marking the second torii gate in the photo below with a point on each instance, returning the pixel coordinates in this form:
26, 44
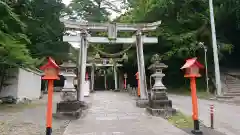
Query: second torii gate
113, 29
104, 62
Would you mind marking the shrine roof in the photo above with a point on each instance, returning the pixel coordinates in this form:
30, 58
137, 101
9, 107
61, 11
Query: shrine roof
51, 63
191, 62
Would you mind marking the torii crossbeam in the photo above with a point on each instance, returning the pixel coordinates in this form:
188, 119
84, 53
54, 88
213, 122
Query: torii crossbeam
105, 40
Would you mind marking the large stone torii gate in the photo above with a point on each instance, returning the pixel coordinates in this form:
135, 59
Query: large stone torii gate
84, 38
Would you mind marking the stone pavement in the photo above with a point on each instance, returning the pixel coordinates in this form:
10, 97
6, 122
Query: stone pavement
226, 116
116, 114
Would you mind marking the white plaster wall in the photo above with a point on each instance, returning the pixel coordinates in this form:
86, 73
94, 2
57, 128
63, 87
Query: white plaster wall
12, 88
29, 84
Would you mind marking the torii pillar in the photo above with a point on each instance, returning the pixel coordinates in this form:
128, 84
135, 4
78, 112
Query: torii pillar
141, 66
82, 65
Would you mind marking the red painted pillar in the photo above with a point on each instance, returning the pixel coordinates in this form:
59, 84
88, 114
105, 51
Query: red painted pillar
138, 88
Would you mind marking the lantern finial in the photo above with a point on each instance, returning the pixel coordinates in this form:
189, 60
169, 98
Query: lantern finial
156, 58
97, 56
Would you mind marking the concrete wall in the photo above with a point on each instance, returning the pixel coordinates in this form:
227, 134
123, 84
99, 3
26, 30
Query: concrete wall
29, 84
23, 83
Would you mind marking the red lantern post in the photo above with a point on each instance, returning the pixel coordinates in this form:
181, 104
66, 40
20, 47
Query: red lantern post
192, 67
138, 88
125, 81
51, 70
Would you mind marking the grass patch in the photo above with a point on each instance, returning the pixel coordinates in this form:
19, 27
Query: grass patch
18, 107
200, 94
204, 95
181, 121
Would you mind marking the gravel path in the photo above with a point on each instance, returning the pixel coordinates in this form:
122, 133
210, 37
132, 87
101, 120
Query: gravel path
30, 120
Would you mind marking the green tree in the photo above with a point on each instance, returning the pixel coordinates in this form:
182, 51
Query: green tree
13, 41
42, 27
45, 29
184, 24
89, 10
12, 38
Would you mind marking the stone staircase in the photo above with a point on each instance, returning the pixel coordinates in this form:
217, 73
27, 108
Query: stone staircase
231, 85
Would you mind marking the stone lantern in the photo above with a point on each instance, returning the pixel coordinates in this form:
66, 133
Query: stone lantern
159, 104
68, 91
69, 106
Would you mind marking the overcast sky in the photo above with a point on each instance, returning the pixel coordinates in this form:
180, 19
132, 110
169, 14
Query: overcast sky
114, 14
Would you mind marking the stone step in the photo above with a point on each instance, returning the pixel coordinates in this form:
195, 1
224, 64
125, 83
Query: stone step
234, 84
233, 80
224, 97
232, 94
233, 91
234, 87
230, 78
237, 82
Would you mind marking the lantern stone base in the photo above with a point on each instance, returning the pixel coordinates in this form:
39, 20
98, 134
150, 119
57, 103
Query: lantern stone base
142, 103
69, 95
160, 105
163, 112
71, 108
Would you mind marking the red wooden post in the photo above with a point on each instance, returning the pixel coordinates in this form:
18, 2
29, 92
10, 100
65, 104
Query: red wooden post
194, 98
125, 81
138, 88
86, 76
51, 70
192, 71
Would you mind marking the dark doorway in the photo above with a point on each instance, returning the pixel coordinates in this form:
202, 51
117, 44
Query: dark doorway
110, 82
99, 83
